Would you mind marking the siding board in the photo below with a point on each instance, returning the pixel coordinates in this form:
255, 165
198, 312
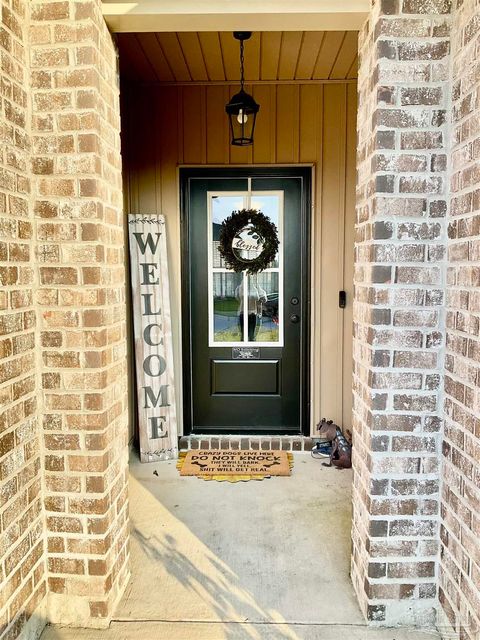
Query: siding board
146, 158
194, 138
252, 56
136, 60
269, 55
349, 242
333, 202
230, 55
331, 45
212, 55
192, 52
154, 52
309, 122
346, 56
174, 54
217, 125
309, 51
264, 147
287, 123
289, 52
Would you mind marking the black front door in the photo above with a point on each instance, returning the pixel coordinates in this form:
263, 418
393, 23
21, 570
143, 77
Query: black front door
245, 336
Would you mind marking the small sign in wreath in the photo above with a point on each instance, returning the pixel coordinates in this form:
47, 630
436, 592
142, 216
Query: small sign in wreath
248, 241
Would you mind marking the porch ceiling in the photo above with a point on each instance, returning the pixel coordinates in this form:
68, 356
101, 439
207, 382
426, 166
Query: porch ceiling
213, 56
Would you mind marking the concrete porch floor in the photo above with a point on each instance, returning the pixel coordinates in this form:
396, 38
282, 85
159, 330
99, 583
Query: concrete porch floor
246, 561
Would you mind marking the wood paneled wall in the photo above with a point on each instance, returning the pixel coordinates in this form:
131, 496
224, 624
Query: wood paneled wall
166, 127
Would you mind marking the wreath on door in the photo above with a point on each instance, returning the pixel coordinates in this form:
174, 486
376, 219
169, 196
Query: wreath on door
248, 241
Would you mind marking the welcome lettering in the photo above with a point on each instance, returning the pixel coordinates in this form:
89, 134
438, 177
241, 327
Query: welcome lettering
153, 352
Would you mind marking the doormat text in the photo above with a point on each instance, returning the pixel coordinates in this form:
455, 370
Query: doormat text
235, 465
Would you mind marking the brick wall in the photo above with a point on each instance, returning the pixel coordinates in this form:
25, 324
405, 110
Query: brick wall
460, 530
399, 295
22, 562
62, 318
77, 200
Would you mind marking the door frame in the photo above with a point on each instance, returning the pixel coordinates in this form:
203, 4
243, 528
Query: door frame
186, 174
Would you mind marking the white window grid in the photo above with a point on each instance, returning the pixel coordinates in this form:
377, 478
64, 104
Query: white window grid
247, 197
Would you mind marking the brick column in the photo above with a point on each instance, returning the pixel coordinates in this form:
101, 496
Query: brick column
81, 301
399, 294
22, 557
460, 530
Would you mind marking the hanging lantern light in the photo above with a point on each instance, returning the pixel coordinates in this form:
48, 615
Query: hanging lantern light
242, 109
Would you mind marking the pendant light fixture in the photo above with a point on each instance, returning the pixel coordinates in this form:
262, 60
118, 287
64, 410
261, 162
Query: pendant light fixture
242, 109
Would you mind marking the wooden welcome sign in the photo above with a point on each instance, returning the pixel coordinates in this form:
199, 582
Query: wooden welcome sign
153, 338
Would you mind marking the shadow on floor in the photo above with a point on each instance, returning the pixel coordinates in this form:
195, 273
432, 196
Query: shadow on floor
271, 551
248, 561
219, 591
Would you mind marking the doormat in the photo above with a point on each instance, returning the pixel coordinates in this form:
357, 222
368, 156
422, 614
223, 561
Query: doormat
234, 466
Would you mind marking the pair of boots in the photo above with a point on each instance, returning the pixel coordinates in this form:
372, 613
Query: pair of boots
333, 445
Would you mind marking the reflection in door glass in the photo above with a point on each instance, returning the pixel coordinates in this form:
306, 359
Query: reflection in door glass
269, 206
245, 309
227, 307
263, 296
222, 207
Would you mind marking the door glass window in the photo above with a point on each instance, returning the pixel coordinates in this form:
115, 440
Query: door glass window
227, 307
222, 207
244, 309
263, 296
270, 207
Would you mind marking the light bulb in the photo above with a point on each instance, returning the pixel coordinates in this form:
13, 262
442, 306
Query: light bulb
242, 117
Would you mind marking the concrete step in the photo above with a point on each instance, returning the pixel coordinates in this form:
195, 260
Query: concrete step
233, 631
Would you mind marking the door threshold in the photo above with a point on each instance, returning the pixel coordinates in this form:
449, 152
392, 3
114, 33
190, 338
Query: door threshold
236, 442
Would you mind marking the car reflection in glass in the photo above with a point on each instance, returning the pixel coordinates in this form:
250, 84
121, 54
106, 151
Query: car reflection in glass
270, 307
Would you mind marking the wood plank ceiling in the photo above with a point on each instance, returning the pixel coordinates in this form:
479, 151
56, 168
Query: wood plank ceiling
214, 57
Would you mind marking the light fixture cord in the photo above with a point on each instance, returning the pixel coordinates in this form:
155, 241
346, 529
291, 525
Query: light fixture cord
241, 64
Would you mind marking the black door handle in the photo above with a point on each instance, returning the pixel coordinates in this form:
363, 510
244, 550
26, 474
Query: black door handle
294, 318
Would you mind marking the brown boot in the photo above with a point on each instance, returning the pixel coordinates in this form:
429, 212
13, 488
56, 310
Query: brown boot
341, 452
